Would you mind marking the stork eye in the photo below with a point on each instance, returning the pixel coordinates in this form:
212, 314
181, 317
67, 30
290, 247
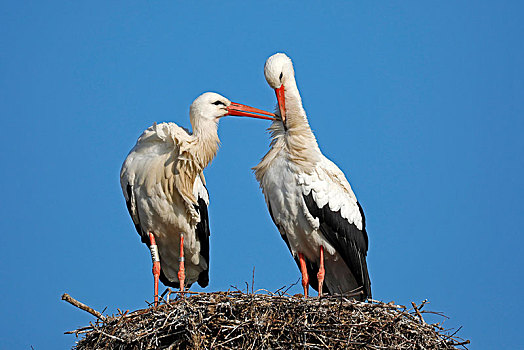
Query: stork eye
281, 75
218, 103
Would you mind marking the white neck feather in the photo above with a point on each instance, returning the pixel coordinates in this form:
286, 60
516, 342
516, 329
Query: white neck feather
296, 140
205, 142
194, 156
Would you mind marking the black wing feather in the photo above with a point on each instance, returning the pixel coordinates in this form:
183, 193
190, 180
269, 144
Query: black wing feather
311, 266
350, 242
203, 233
129, 202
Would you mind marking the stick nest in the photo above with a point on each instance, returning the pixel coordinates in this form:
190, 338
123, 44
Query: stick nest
235, 320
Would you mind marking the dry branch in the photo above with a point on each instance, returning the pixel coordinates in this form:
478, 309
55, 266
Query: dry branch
82, 306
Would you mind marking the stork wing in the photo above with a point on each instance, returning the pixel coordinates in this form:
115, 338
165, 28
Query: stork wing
329, 198
130, 198
202, 227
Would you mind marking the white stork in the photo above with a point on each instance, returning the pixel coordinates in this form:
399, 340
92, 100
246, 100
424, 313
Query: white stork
309, 198
163, 183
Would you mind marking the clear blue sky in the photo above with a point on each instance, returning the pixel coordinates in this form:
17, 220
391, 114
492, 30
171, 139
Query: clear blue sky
421, 105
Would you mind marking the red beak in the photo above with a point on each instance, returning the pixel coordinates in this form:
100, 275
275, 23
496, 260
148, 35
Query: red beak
240, 110
281, 102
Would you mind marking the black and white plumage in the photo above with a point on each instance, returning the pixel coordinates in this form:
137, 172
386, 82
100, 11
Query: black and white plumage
164, 187
163, 184
308, 196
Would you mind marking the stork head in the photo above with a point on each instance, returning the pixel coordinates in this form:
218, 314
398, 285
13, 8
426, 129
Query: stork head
279, 70
210, 107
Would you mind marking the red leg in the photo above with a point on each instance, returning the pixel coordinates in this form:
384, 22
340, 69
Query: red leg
156, 263
181, 267
305, 277
321, 272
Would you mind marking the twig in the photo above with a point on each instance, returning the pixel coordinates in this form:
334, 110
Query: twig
111, 336
291, 286
74, 302
253, 280
76, 331
417, 312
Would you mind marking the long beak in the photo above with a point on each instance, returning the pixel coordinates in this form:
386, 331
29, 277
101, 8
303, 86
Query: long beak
240, 110
281, 102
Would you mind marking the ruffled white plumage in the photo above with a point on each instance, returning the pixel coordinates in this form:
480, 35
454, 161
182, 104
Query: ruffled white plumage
158, 205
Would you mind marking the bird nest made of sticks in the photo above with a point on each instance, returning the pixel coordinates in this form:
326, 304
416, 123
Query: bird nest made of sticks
236, 320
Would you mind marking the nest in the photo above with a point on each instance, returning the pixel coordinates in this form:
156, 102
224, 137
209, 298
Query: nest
236, 320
